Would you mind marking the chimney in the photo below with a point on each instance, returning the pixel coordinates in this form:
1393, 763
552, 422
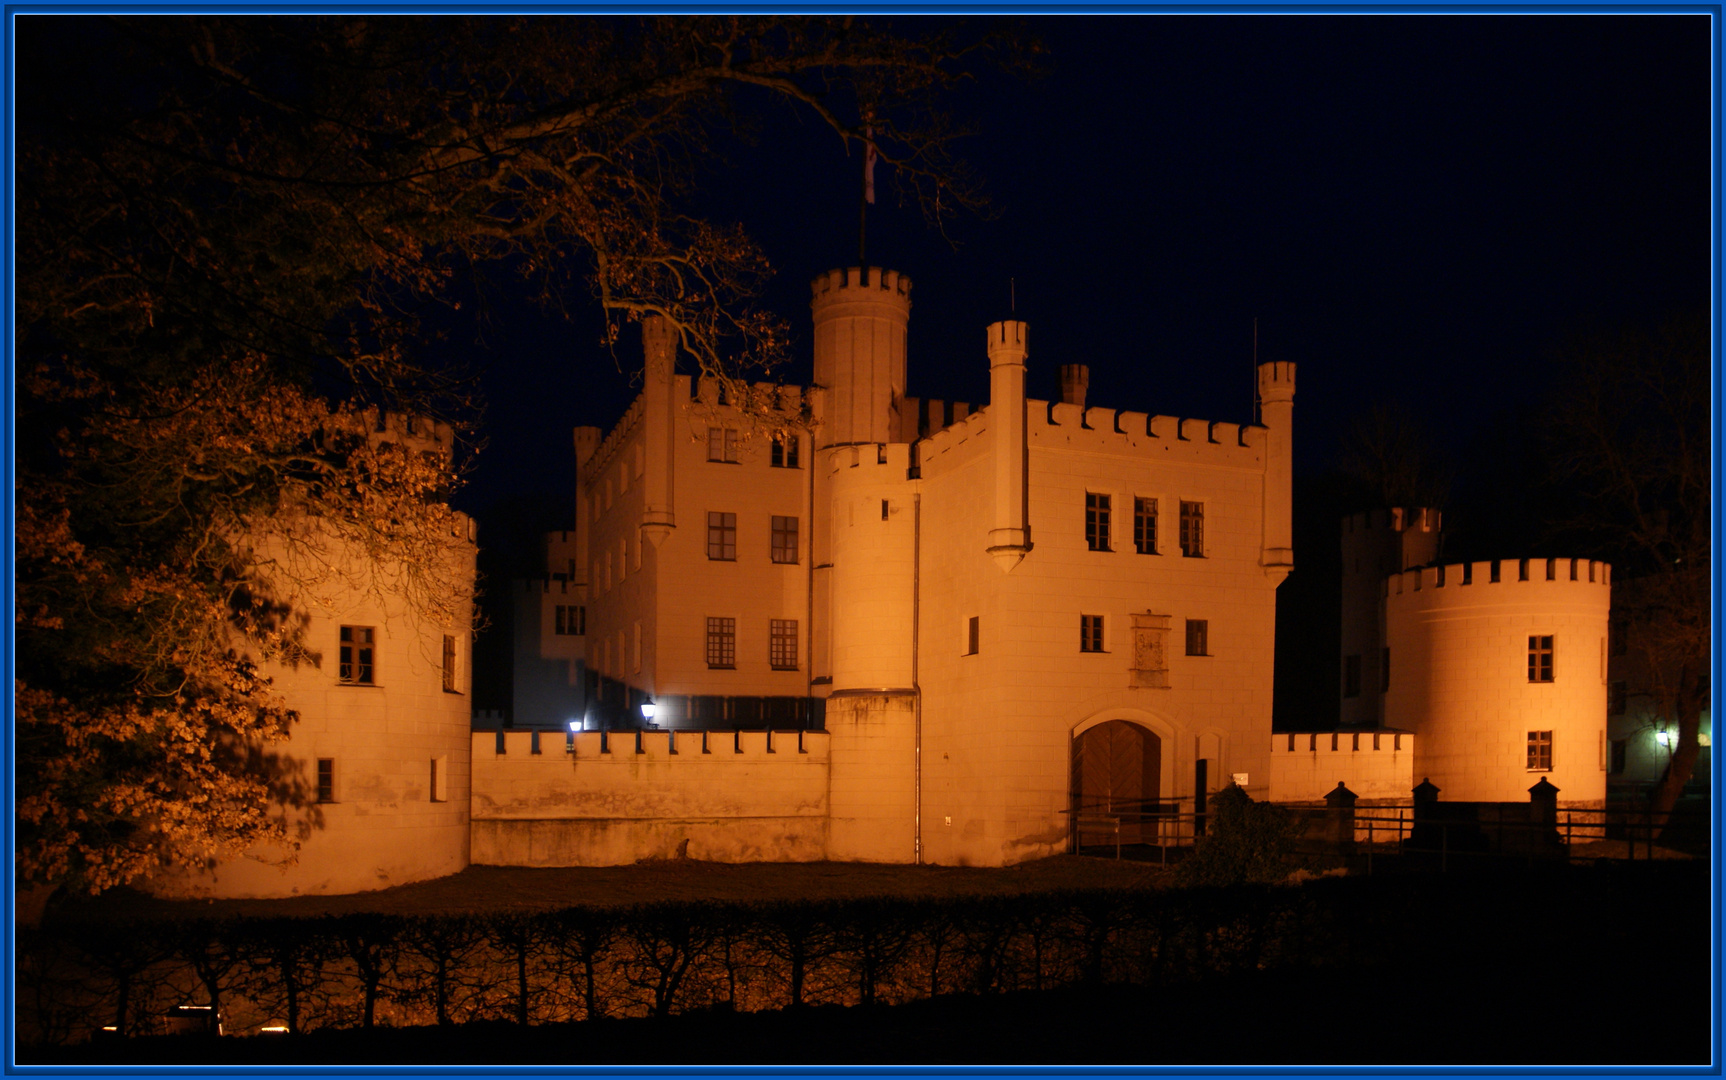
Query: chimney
1075, 380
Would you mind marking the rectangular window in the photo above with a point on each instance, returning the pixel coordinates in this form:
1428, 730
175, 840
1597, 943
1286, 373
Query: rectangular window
1097, 521
439, 779
1090, 633
326, 780
1618, 636
721, 642
784, 539
1198, 637
1145, 526
722, 536
1351, 675
571, 620
1540, 658
1620, 751
973, 635
721, 444
1617, 697
448, 664
1193, 530
1384, 670
1540, 751
782, 644
784, 453
357, 667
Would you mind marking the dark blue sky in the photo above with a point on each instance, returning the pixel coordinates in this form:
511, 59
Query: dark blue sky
1416, 208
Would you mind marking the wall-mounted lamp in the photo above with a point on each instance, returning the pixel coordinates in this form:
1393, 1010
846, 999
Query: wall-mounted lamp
1664, 738
649, 710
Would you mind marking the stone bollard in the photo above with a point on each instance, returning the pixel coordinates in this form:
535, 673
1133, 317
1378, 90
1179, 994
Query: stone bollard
1339, 809
1543, 811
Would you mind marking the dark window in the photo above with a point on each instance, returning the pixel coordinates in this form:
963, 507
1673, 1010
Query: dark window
357, 667
721, 642
571, 619
1097, 521
1193, 530
784, 539
1620, 750
782, 644
326, 779
721, 444
1090, 633
448, 664
1618, 636
721, 536
1384, 670
784, 453
1198, 637
1617, 698
972, 635
1540, 658
1351, 675
1145, 526
1540, 751
439, 778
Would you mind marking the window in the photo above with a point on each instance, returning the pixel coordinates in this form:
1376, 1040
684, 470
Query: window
721, 642
448, 664
722, 444
1384, 671
439, 779
1620, 751
1145, 526
1540, 658
784, 453
782, 644
1193, 530
1097, 521
1618, 636
357, 667
1617, 697
571, 620
1090, 633
1351, 675
326, 780
973, 634
784, 539
722, 536
1198, 637
1540, 751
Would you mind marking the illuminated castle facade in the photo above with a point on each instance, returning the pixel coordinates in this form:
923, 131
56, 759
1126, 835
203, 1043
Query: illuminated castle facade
1000, 616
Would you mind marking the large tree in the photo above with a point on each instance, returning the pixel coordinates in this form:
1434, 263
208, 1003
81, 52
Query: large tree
1629, 437
229, 233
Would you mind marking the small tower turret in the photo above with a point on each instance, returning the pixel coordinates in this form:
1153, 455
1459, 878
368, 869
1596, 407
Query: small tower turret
1010, 539
659, 348
1276, 403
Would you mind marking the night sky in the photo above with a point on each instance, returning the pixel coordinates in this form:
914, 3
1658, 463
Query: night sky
1416, 209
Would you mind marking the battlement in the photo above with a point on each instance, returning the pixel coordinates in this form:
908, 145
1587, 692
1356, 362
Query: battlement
381, 426
1276, 381
941, 441
692, 748
1007, 337
860, 283
1396, 519
1164, 438
921, 417
872, 461
1505, 573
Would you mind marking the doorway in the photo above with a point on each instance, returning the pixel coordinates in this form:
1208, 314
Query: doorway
1117, 773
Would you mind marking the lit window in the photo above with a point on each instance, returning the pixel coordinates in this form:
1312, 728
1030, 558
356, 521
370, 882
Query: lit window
1540, 658
721, 444
571, 620
784, 453
1540, 751
1351, 675
357, 667
1193, 530
1198, 637
721, 642
782, 644
721, 536
1097, 521
326, 780
1090, 633
448, 664
1145, 526
784, 539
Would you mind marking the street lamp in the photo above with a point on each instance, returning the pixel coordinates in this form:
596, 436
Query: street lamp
649, 710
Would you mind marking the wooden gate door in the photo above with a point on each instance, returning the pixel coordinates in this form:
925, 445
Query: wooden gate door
1117, 768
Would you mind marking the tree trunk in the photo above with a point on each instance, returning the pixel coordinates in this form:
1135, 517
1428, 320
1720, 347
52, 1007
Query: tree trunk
1688, 706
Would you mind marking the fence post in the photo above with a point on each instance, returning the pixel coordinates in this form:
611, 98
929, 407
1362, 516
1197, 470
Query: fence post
1339, 807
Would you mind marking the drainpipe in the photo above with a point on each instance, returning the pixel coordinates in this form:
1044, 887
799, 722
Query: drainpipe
916, 688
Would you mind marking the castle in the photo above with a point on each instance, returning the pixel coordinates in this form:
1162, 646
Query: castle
884, 628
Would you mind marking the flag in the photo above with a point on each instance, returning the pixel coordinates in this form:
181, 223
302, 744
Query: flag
869, 166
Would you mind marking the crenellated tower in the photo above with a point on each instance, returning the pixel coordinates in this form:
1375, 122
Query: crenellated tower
861, 318
1276, 403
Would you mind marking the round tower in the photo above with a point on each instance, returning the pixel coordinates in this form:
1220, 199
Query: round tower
861, 317
1500, 669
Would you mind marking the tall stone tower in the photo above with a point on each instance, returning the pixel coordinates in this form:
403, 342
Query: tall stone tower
1375, 545
861, 315
1276, 403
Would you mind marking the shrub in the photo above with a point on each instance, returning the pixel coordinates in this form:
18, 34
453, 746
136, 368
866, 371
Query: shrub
1244, 841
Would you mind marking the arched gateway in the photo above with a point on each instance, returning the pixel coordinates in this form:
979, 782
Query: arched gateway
1117, 773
